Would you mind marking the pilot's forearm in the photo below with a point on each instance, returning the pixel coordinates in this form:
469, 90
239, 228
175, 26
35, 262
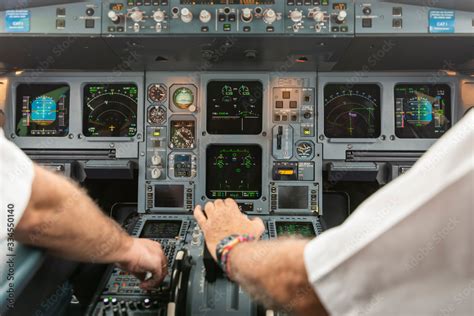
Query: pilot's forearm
274, 273
60, 217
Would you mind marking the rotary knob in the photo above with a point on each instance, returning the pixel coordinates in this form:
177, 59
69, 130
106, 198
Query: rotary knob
113, 16
156, 173
296, 16
269, 16
136, 16
159, 16
186, 15
205, 16
341, 16
318, 16
247, 15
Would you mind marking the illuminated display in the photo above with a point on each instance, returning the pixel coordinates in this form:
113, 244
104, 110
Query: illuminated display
234, 107
352, 111
110, 110
234, 171
299, 229
422, 111
161, 229
42, 110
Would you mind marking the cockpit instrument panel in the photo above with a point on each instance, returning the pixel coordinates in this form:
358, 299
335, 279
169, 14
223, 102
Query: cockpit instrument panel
352, 111
422, 110
234, 171
110, 110
42, 110
234, 107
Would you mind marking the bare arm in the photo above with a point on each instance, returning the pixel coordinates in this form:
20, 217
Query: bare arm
61, 218
271, 271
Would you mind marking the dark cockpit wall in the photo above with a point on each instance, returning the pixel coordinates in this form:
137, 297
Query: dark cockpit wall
347, 172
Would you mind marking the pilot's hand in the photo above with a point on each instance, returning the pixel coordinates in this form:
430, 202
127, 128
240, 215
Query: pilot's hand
145, 256
222, 219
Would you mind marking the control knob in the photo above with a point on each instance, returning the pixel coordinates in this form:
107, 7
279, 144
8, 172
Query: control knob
186, 15
159, 16
205, 16
318, 16
341, 16
114, 17
136, 16
156, 173
296, 16
156, 160
247, 15
269, 16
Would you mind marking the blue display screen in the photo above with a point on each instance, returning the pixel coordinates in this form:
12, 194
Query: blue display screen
42, 110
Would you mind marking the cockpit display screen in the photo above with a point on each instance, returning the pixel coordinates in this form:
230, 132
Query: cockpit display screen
352, 111
422, 110
234, 107
301, 229
42, 110
161, 229
234, 171
110, 110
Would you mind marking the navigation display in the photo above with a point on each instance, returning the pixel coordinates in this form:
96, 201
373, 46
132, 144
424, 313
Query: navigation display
234, 107
110, 110
301, 229
234, 171
161, 229
42, 110
422, 110
352, 111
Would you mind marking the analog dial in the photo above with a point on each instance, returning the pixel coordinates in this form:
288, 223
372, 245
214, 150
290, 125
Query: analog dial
156, 115
157, 93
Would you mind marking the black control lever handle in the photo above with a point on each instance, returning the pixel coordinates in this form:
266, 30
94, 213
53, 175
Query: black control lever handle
279, 137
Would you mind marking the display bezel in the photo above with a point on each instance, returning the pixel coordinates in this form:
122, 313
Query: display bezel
378, 114
211, 125
448, 111
138, 112
257, 176
18, 108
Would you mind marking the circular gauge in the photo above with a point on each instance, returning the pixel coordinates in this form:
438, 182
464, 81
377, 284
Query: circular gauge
157, 93
305, 150
352, 111
182, 134
156, 115
110, 110
183, 98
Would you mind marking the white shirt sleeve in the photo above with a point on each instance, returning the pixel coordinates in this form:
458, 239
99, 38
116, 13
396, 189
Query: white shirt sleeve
16, 178
408, 249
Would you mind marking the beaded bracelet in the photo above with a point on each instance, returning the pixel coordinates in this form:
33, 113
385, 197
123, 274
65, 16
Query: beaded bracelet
226, 245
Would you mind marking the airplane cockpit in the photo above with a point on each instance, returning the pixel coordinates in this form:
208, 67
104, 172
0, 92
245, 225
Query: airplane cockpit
298, 110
